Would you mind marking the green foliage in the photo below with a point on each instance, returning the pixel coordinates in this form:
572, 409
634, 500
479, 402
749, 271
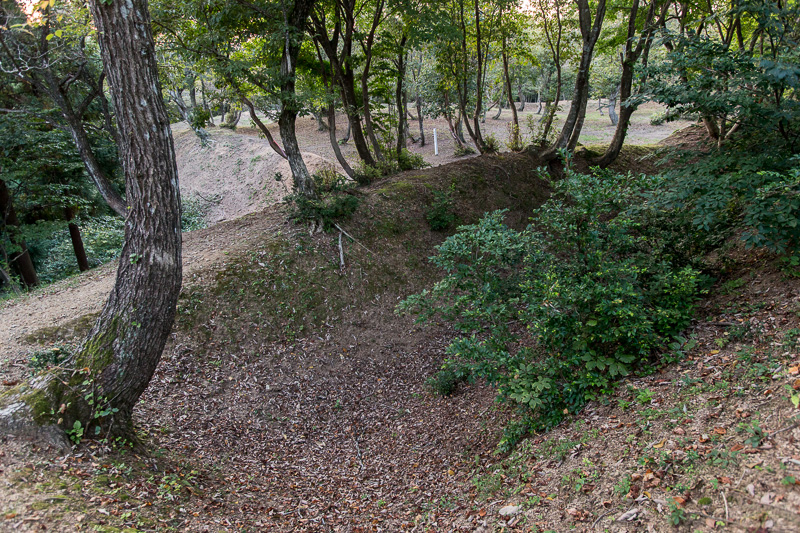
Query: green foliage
463, 149
365, 174
595, 289
410, 161
491, 144
44, 359
335, 200
102, 238
738, 189
441, 214
194, 210
199, 117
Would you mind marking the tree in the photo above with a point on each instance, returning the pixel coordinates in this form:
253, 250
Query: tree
53, 57
98, 386
590, 26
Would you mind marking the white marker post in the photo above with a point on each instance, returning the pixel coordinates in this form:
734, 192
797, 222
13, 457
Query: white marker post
435, 143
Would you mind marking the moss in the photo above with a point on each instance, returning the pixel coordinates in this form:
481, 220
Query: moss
71, 330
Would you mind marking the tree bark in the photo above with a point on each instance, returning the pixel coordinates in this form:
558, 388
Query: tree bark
419, 118
77, 240
629, 59
515, 133
296, 20
21, 259
262, 127
335, 144
402, 109
344, 76
97, 388
590, 32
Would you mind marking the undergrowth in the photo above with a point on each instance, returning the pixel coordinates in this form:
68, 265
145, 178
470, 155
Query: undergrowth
554, 314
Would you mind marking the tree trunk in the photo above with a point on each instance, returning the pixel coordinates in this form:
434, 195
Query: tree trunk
419, 118
335, 144
296, 20
612, 107
19, 259
629, 59
321, 126
81, 140
77, 240
515, 134
346, 137
263, 128
97, 388
401, 107
499, 108
590, 31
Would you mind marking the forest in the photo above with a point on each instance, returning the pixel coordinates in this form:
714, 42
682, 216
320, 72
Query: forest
388, 265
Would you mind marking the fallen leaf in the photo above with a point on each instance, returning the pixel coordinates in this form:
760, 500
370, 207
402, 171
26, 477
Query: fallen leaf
660, 444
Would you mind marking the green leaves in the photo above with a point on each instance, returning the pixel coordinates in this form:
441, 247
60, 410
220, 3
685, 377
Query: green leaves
552, 316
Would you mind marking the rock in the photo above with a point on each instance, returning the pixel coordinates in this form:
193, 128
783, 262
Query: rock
509, 510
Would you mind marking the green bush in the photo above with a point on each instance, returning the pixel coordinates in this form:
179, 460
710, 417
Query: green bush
462, 150
102, 238
441, 215
739, 190
335, 200
594, 291
365, 174
491, 144
411, 161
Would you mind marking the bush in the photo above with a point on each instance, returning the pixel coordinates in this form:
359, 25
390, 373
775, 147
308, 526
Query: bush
335, 200
491, 144
593, 290
658, 118
365, 174
462, 150
102, 238
194, 211
411, 161
739, 189
515, 142
441, 215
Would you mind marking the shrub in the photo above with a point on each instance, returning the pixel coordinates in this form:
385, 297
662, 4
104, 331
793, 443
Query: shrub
463, 149
441, 215
515, 143
739, 189
491, 144
199, 117
335, 200
592, 292
102, 239
410, 161
365, 174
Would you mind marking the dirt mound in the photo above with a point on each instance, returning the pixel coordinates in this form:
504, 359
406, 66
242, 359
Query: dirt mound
692, 137
234, 175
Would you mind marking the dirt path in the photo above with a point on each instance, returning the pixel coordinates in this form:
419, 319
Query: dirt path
61, 303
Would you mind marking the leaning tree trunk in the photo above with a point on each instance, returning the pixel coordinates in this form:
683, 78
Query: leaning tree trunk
77, 240
94, 392
263, 128
21, 258
629, 59
335, 144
